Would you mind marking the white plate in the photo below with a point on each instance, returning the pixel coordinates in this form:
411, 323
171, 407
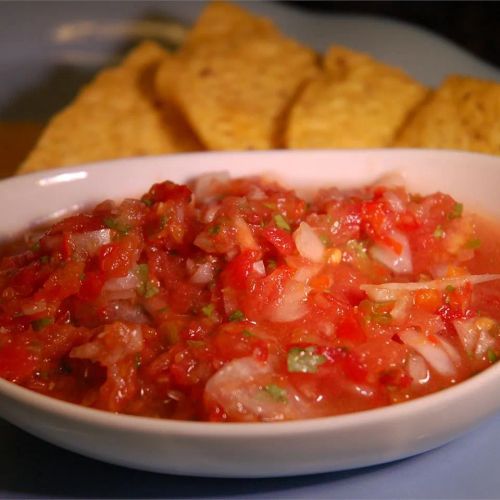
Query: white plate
262, 449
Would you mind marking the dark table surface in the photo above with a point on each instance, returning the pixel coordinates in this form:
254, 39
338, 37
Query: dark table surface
467, 468
473, 25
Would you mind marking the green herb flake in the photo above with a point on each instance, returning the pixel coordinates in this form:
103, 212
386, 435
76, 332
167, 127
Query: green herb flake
450, 289
146, 288
304, 360
381, 318
196, 344
236, 316
473, 244
271, 265
281, 222
36, 246
358, 248
456, 211
276, 392
142, 271
121, 228
148, 202
492, 356
438, 232
208, 310
324, 239
150, 290
164, 221
214, 230
41, 323
248, 333
271, 206
44, 259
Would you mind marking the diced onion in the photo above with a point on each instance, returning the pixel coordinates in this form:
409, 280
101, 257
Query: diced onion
467, 333
396, 203
129, 282
210, 213
434, 354
259, 268
417, 369
206, 185
476, 341
88, 243
244, 234
255, 193
402, 307
484, 343
399, 263
390, 179
305, 273
450, 350
123, 310
125, 339
203, 273
292, 303
390, 291
308, 243
241, 388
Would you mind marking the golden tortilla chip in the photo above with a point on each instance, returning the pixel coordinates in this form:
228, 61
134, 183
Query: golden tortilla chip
235, 77
462, 114
357, 102
16, 140
115, 116
221, 19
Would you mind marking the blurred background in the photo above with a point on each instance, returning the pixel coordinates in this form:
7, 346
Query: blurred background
474, 25
49, 49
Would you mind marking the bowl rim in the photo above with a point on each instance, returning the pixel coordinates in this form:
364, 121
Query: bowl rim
151, 425
335, 423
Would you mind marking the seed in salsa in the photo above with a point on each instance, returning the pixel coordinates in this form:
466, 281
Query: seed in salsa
241, 301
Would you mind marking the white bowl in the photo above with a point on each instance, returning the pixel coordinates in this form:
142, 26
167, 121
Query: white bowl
262, 449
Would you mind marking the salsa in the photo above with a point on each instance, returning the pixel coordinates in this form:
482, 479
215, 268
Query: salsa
238, 300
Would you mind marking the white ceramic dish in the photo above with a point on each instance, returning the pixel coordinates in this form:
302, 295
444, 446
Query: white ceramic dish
264, 449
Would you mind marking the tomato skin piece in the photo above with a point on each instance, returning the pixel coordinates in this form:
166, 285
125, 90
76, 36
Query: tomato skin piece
352, 366
395, 377
121, 386
117, 259
76, 224
350, 330
165, 191
280, 239
16, 362
91, 285
65, 281
378, 223
66, 246
237, 341
429, 300
238, 272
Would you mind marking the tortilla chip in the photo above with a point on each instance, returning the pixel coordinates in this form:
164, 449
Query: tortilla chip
221, 19
115, 116
235, 77
16, 140
357, 102
462, 114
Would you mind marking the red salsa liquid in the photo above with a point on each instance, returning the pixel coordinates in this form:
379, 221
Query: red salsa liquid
244, 302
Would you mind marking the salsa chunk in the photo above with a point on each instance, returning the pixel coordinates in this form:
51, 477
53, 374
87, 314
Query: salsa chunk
238, 300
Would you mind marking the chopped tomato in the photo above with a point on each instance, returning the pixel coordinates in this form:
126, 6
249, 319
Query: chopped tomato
204, 308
